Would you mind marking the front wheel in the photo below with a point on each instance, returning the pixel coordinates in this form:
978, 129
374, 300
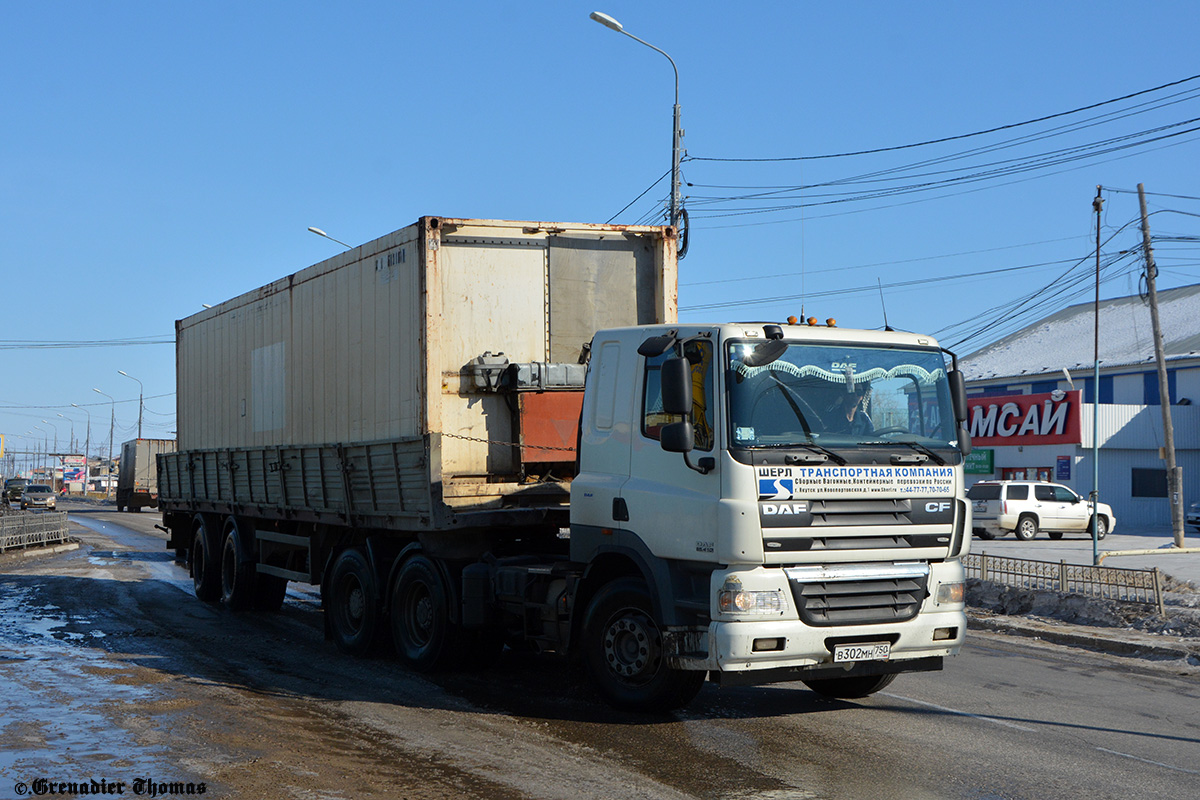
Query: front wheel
1101, 527
850, 688
1027, 528
623, 651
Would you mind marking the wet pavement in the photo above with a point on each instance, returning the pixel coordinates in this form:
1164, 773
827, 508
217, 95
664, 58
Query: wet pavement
119, 673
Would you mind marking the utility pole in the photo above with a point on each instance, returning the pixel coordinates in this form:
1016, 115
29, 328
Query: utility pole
1097, 205
1174, 472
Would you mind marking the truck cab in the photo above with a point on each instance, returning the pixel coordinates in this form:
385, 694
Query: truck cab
788, 499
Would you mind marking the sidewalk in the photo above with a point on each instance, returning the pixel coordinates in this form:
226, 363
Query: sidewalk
1076, 548
1178, 653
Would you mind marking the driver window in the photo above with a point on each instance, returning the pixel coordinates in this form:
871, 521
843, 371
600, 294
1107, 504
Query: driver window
699, 356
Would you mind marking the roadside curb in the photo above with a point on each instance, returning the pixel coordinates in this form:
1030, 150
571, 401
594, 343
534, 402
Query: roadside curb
35, 552
1124, 643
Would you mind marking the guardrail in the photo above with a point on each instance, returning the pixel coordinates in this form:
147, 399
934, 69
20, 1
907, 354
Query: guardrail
27, 529
1107, 583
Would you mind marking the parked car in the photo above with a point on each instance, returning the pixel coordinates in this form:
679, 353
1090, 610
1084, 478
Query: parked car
1192, 517
1026, 507
37, 495
13, 488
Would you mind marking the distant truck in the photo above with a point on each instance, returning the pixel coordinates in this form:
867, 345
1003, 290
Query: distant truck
476, 433
137, 480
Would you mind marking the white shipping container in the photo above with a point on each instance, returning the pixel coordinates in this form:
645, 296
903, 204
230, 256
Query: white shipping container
372, 345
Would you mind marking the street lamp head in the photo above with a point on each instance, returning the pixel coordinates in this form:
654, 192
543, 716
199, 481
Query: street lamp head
607, 21
123, 372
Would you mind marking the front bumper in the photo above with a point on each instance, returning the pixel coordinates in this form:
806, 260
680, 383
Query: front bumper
765, 650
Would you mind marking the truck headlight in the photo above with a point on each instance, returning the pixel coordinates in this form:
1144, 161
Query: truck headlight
739, 601
949, 593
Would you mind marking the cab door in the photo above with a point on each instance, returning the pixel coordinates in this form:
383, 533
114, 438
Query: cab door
672, 508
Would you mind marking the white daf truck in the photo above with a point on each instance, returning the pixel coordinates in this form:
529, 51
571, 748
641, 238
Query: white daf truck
478, 433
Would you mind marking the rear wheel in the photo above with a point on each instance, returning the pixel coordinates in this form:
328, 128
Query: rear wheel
423, 634
1027, 528
353, 603
850, 688
623, 651
984, 533
237, 565
206, 566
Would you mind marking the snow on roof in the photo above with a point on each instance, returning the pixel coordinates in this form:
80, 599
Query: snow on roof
1066, 338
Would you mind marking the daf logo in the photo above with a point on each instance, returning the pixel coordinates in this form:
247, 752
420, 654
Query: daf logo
769, 509
936, 507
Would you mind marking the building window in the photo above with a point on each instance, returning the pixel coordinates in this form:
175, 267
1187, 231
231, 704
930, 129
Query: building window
1149, 482
1150, 388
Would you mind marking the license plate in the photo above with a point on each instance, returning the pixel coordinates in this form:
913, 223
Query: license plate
981, 505
872, 651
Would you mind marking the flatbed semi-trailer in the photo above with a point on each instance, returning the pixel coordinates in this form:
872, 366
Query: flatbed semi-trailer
471, 433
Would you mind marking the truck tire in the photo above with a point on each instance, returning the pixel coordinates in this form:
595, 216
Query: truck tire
237, 565
1101, 526
850, 688
623, 651
424, 636
206, 566
353, 603
1027, 528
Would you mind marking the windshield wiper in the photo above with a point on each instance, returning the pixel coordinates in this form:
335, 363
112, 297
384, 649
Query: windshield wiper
825, 451
920, 448
813, 446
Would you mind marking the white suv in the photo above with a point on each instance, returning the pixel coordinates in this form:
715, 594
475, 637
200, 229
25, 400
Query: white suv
1025, 507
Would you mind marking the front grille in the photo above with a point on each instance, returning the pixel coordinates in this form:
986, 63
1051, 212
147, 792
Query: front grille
858, 595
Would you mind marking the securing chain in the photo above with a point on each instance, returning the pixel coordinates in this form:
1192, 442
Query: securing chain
506, 444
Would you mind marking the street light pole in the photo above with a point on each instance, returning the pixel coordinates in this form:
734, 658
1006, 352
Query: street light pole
320, 232
88, 442
112, 423
676, 132
49, 463
45, 446
141, 394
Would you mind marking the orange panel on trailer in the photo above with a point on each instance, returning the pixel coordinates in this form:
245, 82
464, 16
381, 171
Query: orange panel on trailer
549, 425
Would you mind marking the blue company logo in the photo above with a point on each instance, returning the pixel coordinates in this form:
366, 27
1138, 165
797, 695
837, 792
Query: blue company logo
776, 488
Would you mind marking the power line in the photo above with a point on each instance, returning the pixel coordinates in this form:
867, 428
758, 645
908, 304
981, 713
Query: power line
959, 136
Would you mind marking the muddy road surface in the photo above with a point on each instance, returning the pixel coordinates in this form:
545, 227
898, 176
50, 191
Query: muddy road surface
111, 672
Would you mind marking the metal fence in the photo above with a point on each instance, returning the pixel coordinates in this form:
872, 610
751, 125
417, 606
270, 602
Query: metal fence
1109, 583
26, 529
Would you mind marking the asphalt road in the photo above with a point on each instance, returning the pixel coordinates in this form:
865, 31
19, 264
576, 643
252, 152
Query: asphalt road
113, 671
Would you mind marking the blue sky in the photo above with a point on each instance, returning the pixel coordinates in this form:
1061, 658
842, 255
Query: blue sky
161, 155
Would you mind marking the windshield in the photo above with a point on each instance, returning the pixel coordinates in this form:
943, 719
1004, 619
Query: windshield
840, 396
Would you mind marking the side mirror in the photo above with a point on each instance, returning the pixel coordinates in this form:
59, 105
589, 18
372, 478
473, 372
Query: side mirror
676, 378
958, 394
677, 437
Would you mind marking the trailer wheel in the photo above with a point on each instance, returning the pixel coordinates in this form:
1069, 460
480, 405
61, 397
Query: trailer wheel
850, 688
623, 651
424, 636
353, 603
206, 567
237, 565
